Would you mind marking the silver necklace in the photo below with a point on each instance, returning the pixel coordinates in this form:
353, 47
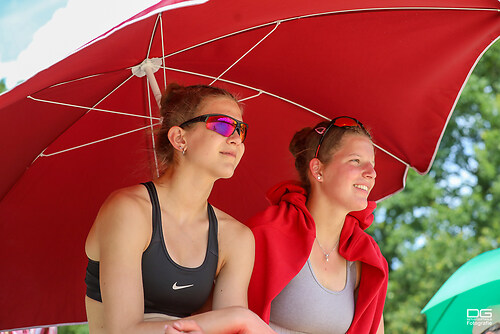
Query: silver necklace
330, 252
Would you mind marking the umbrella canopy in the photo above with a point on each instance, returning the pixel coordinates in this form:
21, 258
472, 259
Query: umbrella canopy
83, 127
467, 297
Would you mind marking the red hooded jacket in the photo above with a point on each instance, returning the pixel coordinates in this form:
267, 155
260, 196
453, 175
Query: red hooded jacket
284, 235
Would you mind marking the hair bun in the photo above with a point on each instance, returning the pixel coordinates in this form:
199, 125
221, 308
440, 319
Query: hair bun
298, 144
170, 97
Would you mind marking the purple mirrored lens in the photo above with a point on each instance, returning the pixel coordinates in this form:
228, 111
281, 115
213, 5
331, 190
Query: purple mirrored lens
226, 126
222, 125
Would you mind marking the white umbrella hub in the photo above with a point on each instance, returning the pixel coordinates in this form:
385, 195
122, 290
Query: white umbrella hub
148, 68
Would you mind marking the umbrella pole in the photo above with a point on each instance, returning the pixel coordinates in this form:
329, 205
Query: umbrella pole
148, 67
153, 84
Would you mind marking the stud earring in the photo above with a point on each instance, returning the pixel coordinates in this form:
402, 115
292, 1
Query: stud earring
319, 177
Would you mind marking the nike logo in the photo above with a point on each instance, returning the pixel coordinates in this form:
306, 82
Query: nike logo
178, 287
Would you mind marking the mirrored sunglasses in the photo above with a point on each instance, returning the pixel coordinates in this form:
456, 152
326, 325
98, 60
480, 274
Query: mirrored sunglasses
222, 124
341, 122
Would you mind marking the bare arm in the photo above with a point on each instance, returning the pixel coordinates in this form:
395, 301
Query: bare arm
122, 232
237, 249
183, 326
117, 240
380, 329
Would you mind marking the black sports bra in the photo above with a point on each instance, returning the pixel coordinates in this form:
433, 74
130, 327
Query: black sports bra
168, 287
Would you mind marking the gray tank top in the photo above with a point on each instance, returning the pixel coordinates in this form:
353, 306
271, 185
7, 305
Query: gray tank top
305, 306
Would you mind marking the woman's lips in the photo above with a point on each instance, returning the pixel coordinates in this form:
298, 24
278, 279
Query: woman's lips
229, 153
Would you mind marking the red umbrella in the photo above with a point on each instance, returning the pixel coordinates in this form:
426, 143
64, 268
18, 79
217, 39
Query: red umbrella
82, 128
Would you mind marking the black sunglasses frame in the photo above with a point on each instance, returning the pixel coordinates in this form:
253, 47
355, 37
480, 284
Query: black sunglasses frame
332, 123
204, 118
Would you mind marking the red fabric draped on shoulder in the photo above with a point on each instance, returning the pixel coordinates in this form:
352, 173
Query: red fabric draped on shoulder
284, 234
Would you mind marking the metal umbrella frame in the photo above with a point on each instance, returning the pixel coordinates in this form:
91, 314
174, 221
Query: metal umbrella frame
85, 126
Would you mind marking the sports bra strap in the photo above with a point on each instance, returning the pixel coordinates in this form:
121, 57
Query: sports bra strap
155, 203
213, 243
213, 246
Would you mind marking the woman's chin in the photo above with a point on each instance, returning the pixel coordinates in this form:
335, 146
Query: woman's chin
360, 205
228, 176
226, 173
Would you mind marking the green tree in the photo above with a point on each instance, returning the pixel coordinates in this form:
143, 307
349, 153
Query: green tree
443, 219
75, 329
3, 87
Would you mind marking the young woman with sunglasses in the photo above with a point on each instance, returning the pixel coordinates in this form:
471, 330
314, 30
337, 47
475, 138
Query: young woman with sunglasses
316, 269
156, 250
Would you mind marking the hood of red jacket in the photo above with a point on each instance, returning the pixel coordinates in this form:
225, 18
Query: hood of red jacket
292, 191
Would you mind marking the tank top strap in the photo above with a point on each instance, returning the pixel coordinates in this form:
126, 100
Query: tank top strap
213, 244
155, 203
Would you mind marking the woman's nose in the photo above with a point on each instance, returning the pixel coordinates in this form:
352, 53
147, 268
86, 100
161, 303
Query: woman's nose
370, 171
234, 138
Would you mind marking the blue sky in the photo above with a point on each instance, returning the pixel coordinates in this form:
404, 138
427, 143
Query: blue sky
35, 34
19, 20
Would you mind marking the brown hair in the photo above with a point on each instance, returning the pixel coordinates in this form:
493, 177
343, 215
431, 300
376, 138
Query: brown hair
305, 143
180, 104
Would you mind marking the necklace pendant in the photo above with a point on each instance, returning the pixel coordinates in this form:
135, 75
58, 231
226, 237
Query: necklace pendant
326, 256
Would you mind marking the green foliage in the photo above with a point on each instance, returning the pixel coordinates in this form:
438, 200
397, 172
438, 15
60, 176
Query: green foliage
443, 219
74, 329
3, 87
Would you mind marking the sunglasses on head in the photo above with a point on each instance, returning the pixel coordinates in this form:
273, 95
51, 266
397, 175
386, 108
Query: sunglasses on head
340, 122
222, 124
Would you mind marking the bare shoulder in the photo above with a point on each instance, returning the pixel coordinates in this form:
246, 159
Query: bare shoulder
125, 205
232, 229
123, 214
133, 195
236, 248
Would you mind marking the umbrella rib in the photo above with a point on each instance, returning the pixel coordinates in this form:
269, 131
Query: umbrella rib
246, 53
249, 87
88, 110
163, 53
92, 143
152, 35
260, 92
135, 19
86, 77
392, 155
111, 92
389, 9
251, 97
442, 314
291, 19
74, 80
347, 11
153, 143
92, 108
